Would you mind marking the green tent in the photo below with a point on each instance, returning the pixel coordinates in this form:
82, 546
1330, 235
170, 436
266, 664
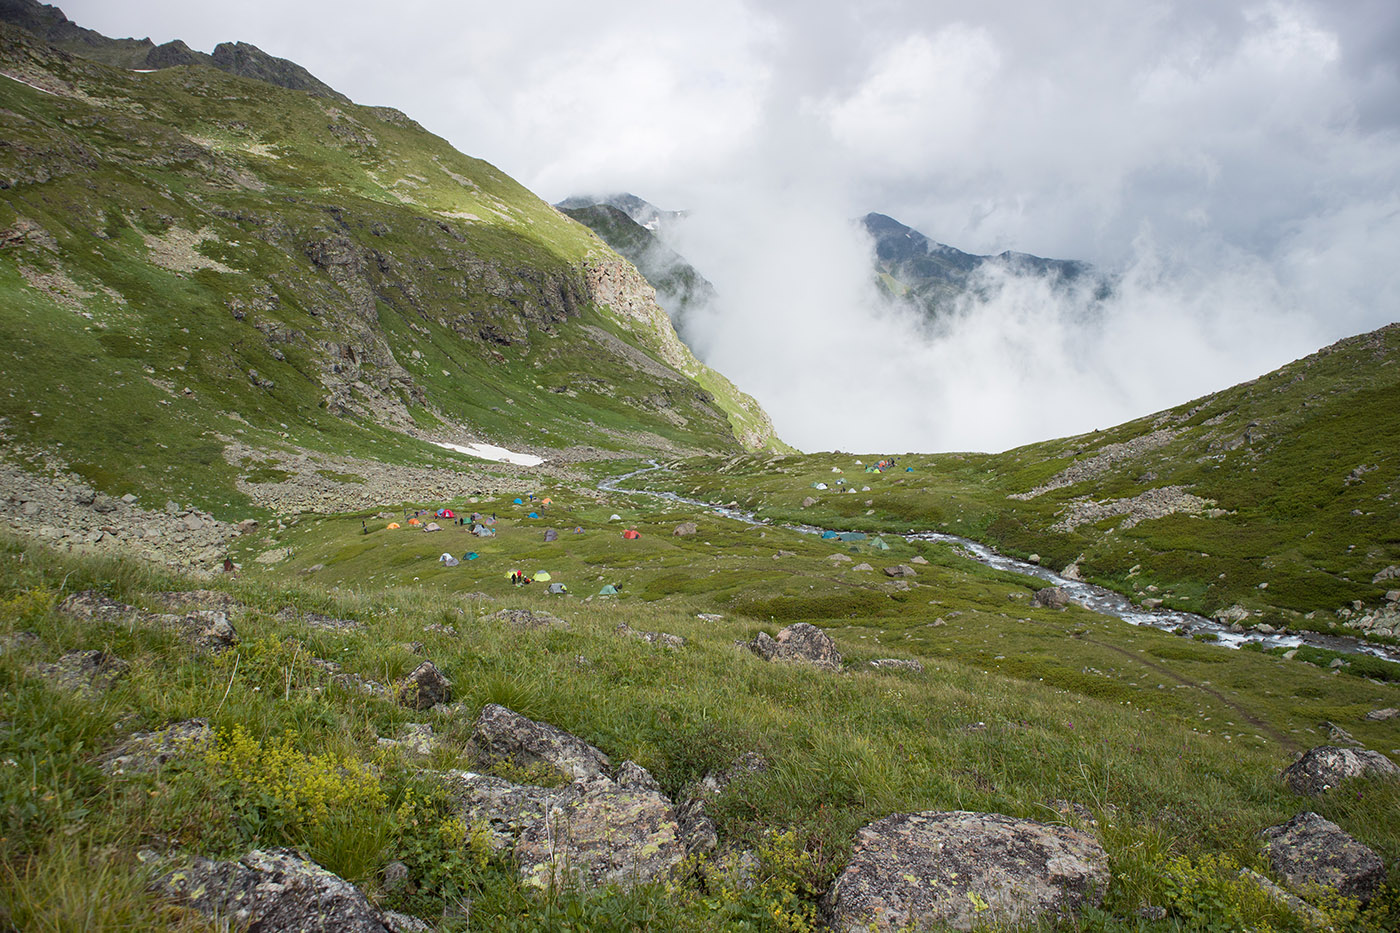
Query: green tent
608, 590
879, 544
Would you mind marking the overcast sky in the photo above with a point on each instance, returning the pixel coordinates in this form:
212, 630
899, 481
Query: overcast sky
1236, 163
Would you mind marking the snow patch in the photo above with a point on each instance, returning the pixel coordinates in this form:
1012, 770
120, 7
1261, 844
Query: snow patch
491, 452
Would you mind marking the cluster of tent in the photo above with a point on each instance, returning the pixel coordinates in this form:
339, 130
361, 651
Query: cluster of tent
844, 535
450, 561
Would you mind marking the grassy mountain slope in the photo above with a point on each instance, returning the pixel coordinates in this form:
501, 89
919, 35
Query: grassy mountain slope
187, 255
1280, 496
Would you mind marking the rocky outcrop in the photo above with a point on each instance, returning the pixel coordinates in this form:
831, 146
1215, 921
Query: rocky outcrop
273, 889
800, 642
502, 734
1155, 503
207, 629
146, 752
1310, 851
963, 869
1320, 769
1102, 460
527, 619
594, 830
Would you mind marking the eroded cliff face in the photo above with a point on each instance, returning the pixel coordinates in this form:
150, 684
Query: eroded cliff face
615, 282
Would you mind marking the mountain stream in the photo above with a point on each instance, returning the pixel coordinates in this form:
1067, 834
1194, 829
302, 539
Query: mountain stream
1089, 595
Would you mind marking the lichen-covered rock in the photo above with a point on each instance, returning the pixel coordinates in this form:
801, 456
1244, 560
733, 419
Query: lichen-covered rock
802, 642
505, 809
145, 752
414, 738
961, 869
209, 629
500, 733
601, 834
272, 890
525, 618
1310, 850
83, 672
95, 605
900, 570
424, 688
1322, 768
1051, 597
655, 638
897, 664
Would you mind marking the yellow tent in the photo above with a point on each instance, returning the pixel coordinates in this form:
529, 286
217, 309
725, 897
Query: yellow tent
541, 576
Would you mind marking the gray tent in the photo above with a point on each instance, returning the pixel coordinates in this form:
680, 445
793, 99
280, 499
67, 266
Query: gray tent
481, 531
448, 560
558, 589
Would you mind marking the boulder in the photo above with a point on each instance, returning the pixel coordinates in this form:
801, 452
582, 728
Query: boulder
502, 734
963, 869
502, 807
802, 642
1380, 715
1051, 597
697, 827
808, 502
684, 529
209, 629
898, 664
415, 739
272, 889
601, 834
841, 559
1309, 851
146, 752
424, 688
655, 638
1323, 768
900, 570
83, 672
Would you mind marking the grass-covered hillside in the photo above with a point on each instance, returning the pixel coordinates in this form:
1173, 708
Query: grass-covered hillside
1166, 750
188, 257
1276, 501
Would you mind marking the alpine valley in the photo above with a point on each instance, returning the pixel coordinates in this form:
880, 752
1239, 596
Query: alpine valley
377, 556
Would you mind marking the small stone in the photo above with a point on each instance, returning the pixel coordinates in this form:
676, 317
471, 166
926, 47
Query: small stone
424, 688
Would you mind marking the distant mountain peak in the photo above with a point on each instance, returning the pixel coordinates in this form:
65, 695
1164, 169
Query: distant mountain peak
238, 58
642, 212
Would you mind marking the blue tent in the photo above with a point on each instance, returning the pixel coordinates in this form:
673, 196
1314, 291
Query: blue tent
828, 535
852, 536
470, 555
534, 515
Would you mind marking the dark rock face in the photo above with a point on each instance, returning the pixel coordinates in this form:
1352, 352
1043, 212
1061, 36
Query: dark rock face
964, 869
1310, 850
1322, 768
146, 752
249, 61
84, 672
802, 642
1052, 597
503, 734
272, 890
425, 687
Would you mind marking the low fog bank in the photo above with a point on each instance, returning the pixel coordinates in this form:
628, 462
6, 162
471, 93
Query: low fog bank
800, 324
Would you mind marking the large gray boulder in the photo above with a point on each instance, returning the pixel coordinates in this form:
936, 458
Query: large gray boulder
960, 869
1322, 768
801, 642
1309, 851
272, 889
502, 734
501, 807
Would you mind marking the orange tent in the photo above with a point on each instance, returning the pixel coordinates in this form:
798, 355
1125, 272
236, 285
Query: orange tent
414, 521
393, 524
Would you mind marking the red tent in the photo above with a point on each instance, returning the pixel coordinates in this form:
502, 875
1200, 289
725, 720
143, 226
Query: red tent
445, 513
631, 534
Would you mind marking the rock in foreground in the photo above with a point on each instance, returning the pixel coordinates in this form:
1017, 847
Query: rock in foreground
1322, 768
273, 890
501, 733
917, 870
1310, 850
802, 642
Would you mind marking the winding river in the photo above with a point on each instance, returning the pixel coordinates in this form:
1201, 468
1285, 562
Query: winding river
1094, 597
